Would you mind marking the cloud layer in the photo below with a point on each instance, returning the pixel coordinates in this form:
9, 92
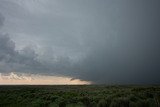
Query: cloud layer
14, 78
99, 41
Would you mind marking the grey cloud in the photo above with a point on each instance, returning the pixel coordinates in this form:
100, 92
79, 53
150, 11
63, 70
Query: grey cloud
7, 48
1, 20
10, 57
12, 60
25, 60
100, 41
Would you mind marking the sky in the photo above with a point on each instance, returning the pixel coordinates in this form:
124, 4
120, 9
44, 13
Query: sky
79, 42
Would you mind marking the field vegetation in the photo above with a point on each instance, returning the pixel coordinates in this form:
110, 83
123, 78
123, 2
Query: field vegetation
79, 96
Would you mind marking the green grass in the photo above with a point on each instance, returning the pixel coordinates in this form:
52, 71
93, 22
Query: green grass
79, 96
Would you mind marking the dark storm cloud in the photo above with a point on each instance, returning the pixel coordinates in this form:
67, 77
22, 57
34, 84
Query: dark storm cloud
114, 41
131, 55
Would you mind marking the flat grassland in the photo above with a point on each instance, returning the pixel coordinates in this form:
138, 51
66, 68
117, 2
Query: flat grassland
79, 96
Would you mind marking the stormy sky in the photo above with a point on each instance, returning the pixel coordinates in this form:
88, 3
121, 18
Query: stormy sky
102, 41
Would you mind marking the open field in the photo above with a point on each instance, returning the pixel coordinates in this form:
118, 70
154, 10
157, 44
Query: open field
79, 96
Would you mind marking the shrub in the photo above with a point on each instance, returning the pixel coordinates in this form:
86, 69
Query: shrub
151, 102
93, 104
86, 101
62, 104
142, 103
120, 102
102, 103
53, 98
133, 104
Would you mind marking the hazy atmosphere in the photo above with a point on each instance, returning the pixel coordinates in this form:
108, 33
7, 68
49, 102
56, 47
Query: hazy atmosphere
79, 41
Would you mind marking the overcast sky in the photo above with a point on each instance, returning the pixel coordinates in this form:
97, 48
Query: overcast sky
102, 41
